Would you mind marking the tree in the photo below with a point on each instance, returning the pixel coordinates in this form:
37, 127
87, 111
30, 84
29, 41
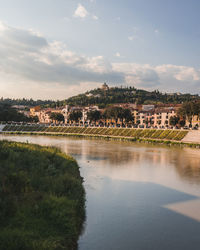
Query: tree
7, 113
94, 115
75, 116
113, 113
173, 121
34, 118
189, 109
57, 117
127, 115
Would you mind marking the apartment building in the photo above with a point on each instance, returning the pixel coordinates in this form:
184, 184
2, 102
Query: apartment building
153, 117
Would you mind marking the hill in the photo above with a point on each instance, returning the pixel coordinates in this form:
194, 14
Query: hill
115, 95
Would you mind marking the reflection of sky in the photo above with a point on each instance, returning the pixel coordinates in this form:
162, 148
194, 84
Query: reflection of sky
139, 221
173, 167
129, 184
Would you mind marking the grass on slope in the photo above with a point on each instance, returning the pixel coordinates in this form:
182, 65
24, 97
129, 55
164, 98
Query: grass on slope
41, 198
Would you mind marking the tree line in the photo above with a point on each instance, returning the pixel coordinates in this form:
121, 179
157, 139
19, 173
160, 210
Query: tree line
187, 111
7, 113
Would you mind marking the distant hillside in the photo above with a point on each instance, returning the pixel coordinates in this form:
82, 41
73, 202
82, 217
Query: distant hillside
125, 95
25, 102
104, 97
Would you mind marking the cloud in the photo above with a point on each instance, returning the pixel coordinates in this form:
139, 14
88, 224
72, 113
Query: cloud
167, 77
95, 17
31, 66
81, 11
117, 54
27, 57
132, 38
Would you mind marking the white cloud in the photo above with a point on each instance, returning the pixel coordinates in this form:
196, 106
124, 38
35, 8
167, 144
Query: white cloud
95, 17
156, 31
169, 78
27, 59
30, 66
132, 38
81, 11
117, 54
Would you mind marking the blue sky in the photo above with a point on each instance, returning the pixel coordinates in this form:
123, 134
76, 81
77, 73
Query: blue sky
65, 47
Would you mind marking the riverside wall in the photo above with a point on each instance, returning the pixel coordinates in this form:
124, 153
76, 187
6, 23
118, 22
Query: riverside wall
192, 136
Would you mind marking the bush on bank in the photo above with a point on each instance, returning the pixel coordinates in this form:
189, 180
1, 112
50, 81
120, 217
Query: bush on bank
41, 198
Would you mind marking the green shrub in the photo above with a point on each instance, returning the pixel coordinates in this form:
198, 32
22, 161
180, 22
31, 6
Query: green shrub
42, 198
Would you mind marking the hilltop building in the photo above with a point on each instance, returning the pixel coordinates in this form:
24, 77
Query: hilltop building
105, 86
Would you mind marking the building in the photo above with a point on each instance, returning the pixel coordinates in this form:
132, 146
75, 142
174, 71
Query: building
34, 110
193, 122
105, 86
159, 117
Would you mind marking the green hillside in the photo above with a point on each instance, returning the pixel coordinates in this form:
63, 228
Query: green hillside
125, 95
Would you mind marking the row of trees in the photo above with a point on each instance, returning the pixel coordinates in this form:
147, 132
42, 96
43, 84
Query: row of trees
187, 111
24, 101
115, 113
7, 113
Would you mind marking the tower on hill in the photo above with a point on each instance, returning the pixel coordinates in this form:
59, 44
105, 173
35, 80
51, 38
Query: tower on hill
105, 86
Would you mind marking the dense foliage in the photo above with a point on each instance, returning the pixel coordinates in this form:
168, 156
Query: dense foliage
75, 116
25, 102
94, 115
167, 134
7, 113
190, 109
125, 95
41, 198
57, 117
103, 98
118, 113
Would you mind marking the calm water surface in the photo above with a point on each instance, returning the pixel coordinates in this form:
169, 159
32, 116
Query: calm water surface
138, 196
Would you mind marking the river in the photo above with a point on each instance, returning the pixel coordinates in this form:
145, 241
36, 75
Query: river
138, 196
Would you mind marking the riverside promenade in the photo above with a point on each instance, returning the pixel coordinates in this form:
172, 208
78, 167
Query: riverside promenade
193, 136
180, 135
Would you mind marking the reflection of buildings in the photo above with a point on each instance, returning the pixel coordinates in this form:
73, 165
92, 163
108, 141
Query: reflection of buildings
147, 161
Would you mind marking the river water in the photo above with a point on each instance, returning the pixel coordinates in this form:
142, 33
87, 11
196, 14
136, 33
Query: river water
138, 196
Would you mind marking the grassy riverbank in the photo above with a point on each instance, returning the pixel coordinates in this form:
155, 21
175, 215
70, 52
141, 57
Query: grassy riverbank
41, 198
160, 134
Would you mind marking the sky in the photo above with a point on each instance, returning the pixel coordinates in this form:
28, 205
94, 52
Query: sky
53, 49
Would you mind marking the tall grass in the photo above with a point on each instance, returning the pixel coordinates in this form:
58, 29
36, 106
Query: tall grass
41, 198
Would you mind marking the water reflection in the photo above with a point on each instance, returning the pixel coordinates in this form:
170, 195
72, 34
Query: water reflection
129, 161
138, 196
132, 215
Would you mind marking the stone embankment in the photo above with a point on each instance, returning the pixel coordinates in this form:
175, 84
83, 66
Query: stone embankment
159, 135
1, 127
192, 136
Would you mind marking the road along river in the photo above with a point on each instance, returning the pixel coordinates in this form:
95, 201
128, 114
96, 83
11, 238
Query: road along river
138, 196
